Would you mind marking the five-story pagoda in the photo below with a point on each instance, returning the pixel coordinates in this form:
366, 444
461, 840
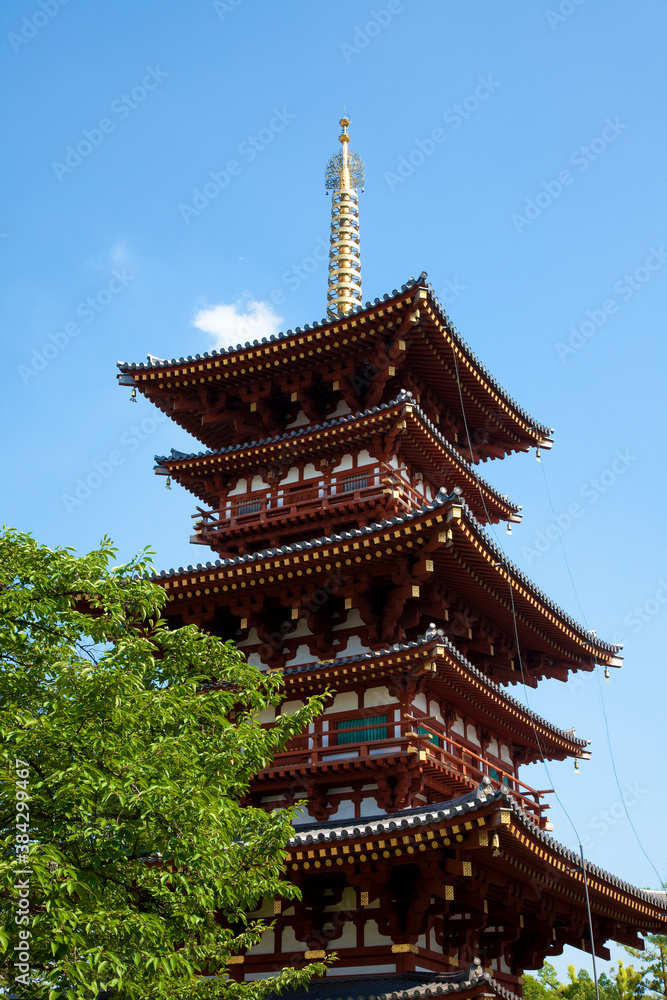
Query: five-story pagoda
339, 490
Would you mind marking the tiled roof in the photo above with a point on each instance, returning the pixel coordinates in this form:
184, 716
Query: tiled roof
399, 986
348, 418
314, 543
128, 367
440, 501
429, 637
463, 806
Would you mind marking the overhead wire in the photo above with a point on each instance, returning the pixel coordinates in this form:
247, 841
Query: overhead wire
511, 596
600, 690
523, 679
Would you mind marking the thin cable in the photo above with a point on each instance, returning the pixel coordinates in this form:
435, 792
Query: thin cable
514, 615
600, 689
525, 689
590, 920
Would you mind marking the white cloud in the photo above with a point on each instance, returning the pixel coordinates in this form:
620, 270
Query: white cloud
231, 325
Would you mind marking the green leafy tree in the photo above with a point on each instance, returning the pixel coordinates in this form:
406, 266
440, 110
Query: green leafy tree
624, 983
654, 964
127, 749
544, 986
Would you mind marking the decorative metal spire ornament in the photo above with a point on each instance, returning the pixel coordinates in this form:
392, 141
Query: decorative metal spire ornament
344, 175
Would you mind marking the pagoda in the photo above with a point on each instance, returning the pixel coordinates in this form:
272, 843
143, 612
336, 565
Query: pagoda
339, 491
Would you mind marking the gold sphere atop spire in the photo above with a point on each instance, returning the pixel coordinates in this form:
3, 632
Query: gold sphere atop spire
344, 122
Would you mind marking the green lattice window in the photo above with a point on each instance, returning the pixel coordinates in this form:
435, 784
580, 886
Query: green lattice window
496, 776
374, 729
422, 731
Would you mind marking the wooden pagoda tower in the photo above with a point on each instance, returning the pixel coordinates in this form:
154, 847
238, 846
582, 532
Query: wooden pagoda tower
339, 491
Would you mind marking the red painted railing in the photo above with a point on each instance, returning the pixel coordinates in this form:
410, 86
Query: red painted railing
266, 506
449, 760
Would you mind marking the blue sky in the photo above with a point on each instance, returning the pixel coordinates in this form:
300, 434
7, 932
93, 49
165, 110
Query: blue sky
514, 152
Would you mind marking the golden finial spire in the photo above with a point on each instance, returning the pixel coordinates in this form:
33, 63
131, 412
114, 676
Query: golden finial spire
345, 173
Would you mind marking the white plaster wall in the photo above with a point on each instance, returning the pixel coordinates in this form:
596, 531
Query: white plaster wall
364, 458
288, 707
348, 938
345, 810
457, 726
257, 483
493, 748
378, 696
301, 816
301, 655
290, 943
348, 901
393, 461
345, 464
340, 410
369, 807
434, 710
252, 639
345, 702
292, 476
372, 935
241, 487
267, 943
472, 735
267, 714
310, 471
300, 630
353, 647
301, 419
352, 970
352, 620
421, 941
505, 754
419, 701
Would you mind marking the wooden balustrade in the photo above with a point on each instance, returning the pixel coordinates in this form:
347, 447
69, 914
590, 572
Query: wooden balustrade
372, 739
271, 505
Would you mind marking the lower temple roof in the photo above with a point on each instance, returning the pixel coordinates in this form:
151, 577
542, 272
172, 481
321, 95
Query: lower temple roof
465, 807
470, 982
